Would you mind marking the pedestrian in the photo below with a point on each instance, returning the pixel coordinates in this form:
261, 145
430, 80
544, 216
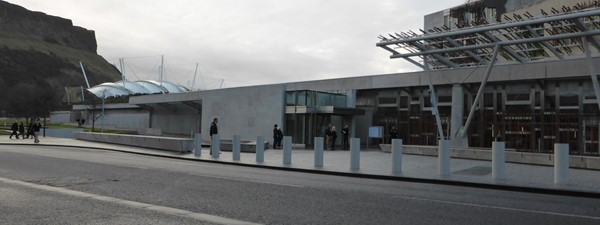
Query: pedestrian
279, 137
36, 130
213, 130
21, 130
393, 133
333, 135
346, 136
275, 137
30, 130
14, 127
328, 136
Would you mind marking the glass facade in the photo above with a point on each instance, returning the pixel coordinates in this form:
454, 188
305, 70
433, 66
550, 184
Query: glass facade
315, 99
313, 120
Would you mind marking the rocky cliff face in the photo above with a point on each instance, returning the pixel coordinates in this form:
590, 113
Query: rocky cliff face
39, 57
18, 22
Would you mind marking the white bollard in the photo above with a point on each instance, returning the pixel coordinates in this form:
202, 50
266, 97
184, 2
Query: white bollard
397, 155
215, 146
561, 164
287, 150
236, 147
197, 144
444, 158
318, 151
498, 160
260, 149
354, 153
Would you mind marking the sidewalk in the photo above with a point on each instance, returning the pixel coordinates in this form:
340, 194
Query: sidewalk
377, 164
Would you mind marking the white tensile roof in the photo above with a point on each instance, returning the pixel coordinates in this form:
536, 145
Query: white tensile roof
126, 88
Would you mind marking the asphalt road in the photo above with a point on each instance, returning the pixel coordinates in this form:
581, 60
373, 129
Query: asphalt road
54, 185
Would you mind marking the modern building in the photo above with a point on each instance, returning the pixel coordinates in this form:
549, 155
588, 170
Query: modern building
506, 69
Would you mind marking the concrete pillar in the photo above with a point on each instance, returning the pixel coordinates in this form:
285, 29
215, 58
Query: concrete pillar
287, 150
397, 155
215, 146
354, 153
318, 151
456, 119
260, 149
236, 147
561, 164
444, 158
197, 144
498, 160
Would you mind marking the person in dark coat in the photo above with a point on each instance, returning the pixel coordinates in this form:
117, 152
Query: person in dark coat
21, 131
346, 136
333, 135
213, 127
36, 130
14, 127
213, 130
29, 130
275, 137
328, 136
393, 133
279, 137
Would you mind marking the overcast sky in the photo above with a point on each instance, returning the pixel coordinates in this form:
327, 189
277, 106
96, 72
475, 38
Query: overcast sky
245, 42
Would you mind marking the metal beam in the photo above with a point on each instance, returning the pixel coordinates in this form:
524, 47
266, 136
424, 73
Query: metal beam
507, 43
492, 27
592, 68
582, 27
433, 99
437, 56
507, 49
469, 52
488, 71
545, 43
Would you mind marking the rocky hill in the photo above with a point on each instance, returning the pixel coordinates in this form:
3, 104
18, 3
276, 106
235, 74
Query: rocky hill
39, 57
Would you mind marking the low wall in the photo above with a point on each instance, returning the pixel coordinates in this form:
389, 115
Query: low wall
61, 133
157, 142
581, 162
245, 145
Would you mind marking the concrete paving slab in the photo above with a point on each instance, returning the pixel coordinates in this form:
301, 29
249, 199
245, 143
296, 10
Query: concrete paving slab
375, 163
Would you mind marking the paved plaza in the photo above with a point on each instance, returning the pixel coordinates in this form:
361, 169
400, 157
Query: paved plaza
377, 164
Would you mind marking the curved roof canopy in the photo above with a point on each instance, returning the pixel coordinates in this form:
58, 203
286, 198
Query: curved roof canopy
126, 88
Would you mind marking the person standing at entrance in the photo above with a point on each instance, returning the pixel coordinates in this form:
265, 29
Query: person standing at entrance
393, 133
328, 136
346, 136
279, 135
213, 130
275, 136
333, 135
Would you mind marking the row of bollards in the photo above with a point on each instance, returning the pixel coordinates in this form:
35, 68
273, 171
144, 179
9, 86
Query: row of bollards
561, 155
561, 162
287, 150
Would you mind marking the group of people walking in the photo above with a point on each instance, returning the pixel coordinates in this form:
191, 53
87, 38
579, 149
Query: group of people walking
33, 130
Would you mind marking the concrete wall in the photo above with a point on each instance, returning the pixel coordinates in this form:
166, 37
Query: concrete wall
61, 133
178, 119
60, 117
433, 20
121, 119
247, 111
252, 111
500, 73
